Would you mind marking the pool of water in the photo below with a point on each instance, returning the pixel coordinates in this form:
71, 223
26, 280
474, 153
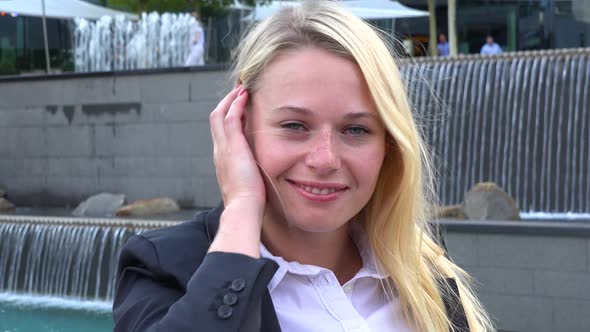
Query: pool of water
22, 313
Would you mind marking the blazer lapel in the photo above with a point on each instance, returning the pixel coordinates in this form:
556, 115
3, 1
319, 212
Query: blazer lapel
270, 321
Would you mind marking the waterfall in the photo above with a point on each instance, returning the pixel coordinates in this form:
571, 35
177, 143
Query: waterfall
155, 41
64, 257
521, 120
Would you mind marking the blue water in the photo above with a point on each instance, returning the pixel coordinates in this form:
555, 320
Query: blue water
22, 313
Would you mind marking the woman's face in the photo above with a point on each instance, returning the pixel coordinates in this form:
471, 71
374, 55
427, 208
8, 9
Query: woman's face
316, 134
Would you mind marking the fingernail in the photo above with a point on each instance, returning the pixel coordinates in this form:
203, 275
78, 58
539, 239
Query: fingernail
242, 92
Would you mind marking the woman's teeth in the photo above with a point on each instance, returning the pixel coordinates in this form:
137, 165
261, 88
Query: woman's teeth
318, 191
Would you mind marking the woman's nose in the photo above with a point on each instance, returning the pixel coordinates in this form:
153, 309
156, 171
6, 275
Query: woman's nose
323, 155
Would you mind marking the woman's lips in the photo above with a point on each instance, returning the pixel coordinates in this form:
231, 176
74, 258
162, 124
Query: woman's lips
317, 191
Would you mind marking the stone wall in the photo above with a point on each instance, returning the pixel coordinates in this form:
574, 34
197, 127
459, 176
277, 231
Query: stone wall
144, 134
531, 276
519, 120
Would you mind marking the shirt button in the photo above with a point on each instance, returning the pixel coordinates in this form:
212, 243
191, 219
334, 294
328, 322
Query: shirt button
347, 288
225, 312
238, 285
230, 299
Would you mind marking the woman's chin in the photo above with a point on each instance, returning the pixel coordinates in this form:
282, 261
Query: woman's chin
315, 225
308, 220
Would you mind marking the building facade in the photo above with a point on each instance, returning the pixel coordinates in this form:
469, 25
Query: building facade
515, 24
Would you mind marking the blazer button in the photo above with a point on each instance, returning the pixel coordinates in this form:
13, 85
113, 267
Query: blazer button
230, 299
238, 285
225, 312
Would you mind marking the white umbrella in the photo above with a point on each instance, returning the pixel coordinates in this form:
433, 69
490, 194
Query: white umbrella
365, 9
261, 12
63, 9
381, 9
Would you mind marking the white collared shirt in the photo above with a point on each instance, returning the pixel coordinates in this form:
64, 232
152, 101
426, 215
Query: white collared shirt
310, 298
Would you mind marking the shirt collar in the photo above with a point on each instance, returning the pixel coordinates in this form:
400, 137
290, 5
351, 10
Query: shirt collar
361, 240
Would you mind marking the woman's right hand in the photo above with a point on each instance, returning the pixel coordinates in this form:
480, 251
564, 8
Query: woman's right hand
239, 178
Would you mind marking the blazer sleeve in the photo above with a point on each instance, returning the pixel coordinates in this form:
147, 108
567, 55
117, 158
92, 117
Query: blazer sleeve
223, 294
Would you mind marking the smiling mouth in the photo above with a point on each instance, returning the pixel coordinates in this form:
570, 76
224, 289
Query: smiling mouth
318, 188
318, 191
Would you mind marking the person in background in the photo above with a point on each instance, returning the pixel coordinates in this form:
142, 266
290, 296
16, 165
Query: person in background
443, 46
490, 47
327, 200
196, 56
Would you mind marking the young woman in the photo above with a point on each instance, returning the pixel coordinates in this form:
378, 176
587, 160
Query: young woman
326, 189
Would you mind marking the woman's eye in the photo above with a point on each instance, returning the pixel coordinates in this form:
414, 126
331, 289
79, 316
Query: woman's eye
356, 131
293, 126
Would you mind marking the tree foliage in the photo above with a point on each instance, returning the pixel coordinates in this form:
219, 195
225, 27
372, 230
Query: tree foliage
206, 8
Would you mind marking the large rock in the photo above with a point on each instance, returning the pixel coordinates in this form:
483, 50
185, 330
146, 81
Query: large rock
101, 205
487, 201
450, 212
149, 207
5, 205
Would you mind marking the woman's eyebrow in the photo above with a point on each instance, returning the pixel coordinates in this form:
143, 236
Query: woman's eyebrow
305, 111
294, 109
360, 115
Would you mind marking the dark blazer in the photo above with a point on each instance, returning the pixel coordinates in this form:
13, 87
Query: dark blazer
168, 282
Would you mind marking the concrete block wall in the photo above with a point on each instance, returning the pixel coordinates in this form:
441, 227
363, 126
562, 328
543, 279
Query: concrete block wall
142, 134
530, 276
146, 134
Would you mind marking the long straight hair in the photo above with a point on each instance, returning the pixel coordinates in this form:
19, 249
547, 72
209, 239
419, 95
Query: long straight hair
396, 217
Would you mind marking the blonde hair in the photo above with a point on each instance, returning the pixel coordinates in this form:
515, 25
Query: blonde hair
396, 217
